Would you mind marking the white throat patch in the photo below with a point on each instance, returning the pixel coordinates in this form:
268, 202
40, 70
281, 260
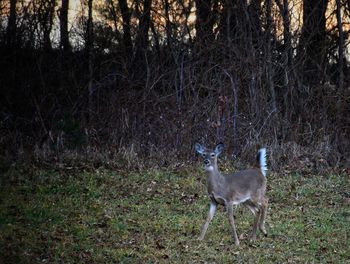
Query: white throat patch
209, 168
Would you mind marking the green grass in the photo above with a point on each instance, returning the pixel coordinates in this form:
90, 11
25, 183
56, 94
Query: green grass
155, 216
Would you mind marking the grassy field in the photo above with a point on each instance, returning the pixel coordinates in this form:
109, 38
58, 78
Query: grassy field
155, 216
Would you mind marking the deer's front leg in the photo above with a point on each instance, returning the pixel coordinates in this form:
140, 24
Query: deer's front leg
210, 216
232, 222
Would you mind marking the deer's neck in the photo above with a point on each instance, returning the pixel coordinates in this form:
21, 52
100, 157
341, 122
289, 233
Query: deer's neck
214, 179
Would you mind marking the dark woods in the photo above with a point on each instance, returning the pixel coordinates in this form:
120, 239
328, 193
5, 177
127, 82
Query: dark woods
136, 82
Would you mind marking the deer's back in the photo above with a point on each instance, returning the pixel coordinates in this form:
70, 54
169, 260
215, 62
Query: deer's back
245, 183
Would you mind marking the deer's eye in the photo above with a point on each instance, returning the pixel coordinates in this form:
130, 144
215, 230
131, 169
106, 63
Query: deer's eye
203, 155
212, 155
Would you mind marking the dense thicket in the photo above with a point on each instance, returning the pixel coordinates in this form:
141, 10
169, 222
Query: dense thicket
143, 80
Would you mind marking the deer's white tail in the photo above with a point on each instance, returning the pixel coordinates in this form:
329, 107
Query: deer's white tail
262, 160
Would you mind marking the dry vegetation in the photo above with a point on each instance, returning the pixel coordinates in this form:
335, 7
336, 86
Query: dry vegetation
145, 86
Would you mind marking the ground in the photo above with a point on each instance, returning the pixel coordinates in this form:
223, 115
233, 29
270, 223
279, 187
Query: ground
155, 216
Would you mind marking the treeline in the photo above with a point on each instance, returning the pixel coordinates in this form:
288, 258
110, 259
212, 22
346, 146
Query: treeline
122, 81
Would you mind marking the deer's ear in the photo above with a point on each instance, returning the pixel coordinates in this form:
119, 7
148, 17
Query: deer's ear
219, 147
199, 148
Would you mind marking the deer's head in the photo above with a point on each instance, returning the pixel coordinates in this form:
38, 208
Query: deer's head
209, 156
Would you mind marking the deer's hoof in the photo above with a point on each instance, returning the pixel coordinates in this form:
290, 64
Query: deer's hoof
263, 230
252, 239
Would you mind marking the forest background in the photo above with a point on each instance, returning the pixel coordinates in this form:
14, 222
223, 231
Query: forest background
124, 83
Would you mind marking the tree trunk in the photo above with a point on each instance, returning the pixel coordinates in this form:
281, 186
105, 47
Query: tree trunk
89, 28
289, 75
270, 71
47, 12
312, 45
141, 42
168, 27
254, 18
204, 22
64, 37
125, 12
89, 47
11, 27
340, 48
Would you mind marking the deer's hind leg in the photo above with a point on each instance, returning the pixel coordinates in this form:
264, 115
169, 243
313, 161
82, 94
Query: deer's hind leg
264, 206
229, 207
251, 206
256, 210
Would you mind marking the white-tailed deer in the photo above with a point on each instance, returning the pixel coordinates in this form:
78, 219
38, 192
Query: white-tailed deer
247, 187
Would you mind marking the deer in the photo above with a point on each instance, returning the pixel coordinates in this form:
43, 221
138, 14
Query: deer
247, 187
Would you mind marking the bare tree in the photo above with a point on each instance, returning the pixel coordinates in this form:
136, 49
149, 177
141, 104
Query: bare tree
89, 51
165, 79
288, 73
205, 18
270, 71
46, 12
340, 47
126, 15
312, 43
11, 27
141, 41
168, 26
89, 28
64, 36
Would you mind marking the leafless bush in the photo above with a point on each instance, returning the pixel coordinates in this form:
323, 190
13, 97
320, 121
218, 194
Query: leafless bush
140, 93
